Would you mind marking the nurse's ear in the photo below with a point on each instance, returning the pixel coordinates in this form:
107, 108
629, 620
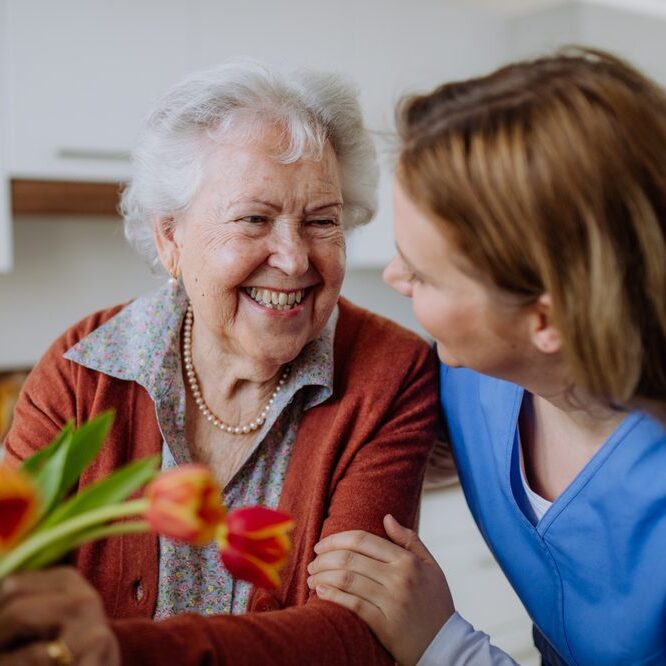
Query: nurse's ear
544, 333
166, 244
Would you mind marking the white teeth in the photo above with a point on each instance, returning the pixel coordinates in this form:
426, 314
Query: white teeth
276, 300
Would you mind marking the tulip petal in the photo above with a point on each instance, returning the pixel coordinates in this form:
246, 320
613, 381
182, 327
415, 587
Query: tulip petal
254, 544
251, 569
260, 531
19, 506
176, 522
185, 504
13, 511
256, 519
270, 550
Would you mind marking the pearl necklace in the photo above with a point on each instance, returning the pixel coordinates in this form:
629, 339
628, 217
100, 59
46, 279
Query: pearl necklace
198, 397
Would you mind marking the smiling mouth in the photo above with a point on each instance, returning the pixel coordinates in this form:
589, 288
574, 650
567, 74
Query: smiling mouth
276, 300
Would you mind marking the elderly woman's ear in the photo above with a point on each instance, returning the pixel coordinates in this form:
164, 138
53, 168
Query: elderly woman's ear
167, 246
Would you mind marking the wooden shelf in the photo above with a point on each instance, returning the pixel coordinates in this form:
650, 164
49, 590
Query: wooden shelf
56, 197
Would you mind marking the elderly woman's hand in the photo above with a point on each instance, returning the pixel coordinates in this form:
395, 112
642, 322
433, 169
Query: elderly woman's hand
397, 588
54, 618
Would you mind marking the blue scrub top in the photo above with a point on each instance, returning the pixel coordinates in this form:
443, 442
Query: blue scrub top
592, 571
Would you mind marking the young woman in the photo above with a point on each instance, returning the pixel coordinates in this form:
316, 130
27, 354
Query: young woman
530, 222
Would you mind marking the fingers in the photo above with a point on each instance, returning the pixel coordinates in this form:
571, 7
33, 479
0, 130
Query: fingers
94, 645
28, 625
30, 618
368, 612
58, 579
35, 607
351, 583
408, 539
361, 542
347, 560
35, 654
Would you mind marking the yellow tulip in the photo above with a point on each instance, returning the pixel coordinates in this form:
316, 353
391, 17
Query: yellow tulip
19, 506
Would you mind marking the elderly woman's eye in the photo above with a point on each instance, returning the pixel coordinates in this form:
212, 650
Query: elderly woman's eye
324, 222
254, 219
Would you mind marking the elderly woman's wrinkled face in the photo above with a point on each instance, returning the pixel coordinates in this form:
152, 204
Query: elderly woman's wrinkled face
261, 248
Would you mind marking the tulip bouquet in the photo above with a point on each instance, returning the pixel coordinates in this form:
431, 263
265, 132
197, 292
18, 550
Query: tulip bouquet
40, 522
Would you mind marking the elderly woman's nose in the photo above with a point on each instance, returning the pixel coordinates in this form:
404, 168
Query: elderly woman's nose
290, 254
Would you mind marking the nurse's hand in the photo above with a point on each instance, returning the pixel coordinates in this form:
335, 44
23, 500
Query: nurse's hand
395, 586
54, 617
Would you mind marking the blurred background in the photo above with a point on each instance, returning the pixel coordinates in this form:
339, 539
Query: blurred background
77, 77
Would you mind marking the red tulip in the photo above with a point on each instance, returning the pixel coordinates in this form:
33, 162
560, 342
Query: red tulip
19, 505
185, 504
254, 544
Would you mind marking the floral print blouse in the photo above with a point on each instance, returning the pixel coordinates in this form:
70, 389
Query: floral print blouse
142, 344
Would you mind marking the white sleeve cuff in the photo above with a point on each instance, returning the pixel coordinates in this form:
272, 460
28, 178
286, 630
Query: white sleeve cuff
458, 643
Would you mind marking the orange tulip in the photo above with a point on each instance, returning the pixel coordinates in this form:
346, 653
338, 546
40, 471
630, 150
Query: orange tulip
254, 544
185, 504
19, 506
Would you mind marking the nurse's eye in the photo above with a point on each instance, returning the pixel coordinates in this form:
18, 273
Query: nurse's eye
254, 219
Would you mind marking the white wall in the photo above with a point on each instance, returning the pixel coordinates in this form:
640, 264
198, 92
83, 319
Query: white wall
63, 270
637, 35
635, 30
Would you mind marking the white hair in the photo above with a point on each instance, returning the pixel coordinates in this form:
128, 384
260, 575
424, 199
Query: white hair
310, 107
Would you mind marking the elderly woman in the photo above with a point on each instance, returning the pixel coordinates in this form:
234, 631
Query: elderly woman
247, 360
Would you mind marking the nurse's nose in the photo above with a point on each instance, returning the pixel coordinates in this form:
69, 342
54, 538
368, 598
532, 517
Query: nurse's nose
396, 277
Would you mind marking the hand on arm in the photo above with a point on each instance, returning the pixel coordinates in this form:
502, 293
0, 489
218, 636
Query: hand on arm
395, 586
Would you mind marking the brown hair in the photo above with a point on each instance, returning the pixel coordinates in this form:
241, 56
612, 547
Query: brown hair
550, 176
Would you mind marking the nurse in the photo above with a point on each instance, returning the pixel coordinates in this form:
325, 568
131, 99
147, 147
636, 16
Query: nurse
530, 223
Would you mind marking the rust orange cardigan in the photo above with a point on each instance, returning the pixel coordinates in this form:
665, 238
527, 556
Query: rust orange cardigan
359, 455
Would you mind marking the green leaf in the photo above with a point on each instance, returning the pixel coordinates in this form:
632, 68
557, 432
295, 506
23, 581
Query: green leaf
86, 444
35, 462
111, 490
70, 455
49, 477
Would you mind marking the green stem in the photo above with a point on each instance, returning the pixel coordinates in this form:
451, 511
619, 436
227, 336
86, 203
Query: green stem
131, 527
13, 560
45, 558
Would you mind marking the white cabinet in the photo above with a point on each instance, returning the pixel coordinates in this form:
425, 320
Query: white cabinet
80, 77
